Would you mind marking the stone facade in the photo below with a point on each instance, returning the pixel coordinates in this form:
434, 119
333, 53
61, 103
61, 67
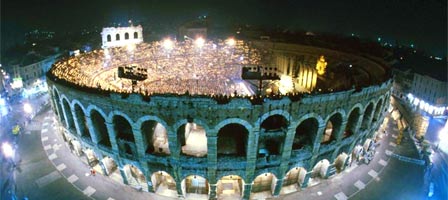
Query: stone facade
299, 130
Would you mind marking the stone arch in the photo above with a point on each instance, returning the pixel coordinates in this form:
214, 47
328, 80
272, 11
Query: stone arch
135, 177
367, 119
272, 136
271, 113
295, 175
353, 120
163, 181
135, 35
126, 36
320, 169
264, 182
192, 137
333, 127
117, 37
232, 140
70, 122
123, 133
340, 162
378, 109
306, 132
99, 128
195, 184
81, 119
155, 137
225, 122
231, 186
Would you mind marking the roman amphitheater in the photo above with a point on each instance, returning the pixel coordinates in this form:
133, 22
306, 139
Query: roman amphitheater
193, 128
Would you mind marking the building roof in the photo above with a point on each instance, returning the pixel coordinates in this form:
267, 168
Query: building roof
436, 69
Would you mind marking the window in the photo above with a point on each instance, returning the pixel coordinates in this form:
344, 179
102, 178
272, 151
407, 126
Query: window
126, 36
117, 37
135, 35
109, 38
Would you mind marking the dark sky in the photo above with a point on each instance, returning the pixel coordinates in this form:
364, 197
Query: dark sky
421, 22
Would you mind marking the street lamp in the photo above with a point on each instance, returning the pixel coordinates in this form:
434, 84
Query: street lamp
27, 108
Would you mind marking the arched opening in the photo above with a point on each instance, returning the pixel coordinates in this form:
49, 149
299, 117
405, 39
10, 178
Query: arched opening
230, 187
232, 140
100, 129
293, 180
340, 162
193, 139
68, 115
111, 169
135, 35
155, 138
109, 38
92, 160
135, 177
195, 187
352, 122
305, 134
263, 186
377, 113
367, 117
117, 37
164, 184
319, 171
82, 122
272, 136
76, 147
126, 36
332, 128
125, 136
59, 107
274, 123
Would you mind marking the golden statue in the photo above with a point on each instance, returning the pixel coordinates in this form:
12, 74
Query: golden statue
321, 65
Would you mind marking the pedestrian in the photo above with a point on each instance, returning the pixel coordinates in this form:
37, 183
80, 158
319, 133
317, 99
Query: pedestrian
93, 172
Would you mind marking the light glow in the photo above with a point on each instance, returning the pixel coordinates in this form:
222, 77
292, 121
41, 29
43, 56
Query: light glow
27, 108
231, 42
199, 42
7, 150
168, 44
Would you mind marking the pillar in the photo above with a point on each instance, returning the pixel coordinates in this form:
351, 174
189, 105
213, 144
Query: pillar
278, 187
91, 129
212, 193
123, 175
139, 143
252, 151
247, 190
112, 136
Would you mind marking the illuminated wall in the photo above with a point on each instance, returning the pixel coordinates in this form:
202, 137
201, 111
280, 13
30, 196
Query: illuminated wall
121, 36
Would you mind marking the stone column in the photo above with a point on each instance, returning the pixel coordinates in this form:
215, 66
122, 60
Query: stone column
112, 136
75, 120
320, 134
139, 143
247, 190
212, 194
306, 180
278, 187
252, 151
91, 130
123, 175
341, 131
99, 156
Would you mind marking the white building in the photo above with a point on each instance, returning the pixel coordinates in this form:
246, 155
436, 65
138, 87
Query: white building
121, 36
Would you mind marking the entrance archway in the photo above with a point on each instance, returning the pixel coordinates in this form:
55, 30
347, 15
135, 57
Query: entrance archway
293, 179
352, 122
263, 186
82, 122
135, 177
100, 129
125, 136
272, 136
332, 128
195, 187
340, 162
193, 139
305, 134
112, 169
230, 187
164, 184
367, 117
68, 115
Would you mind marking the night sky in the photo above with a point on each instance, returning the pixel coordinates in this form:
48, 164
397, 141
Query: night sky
419, 22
